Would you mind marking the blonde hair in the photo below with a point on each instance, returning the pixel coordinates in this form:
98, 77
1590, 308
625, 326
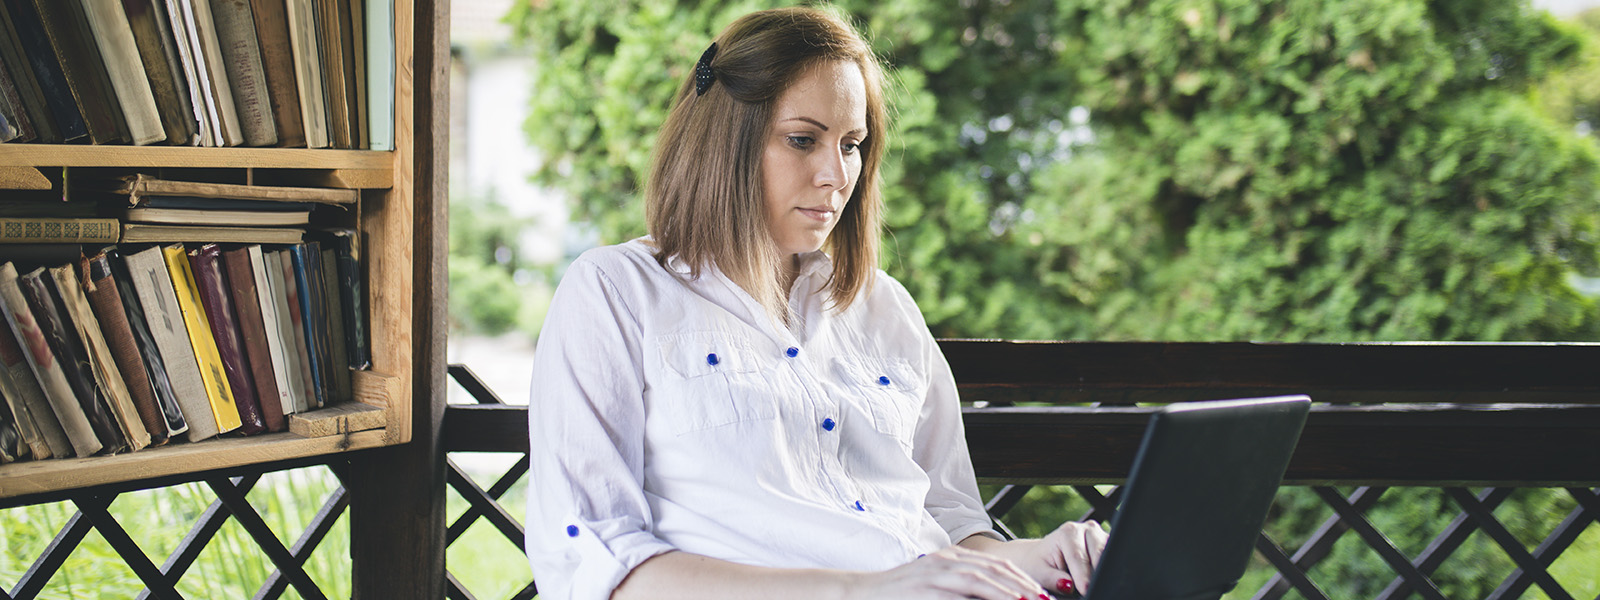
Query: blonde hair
704, 200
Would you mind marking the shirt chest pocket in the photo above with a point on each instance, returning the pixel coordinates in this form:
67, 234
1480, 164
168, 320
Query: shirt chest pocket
711, 379
890, 390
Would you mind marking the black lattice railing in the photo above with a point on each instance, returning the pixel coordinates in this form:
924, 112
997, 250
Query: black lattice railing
1474, 456
93, 512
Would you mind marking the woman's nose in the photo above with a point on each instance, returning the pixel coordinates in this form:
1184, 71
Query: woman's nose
831, 172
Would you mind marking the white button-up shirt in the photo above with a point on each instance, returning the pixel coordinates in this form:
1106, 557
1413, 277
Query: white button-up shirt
673, 413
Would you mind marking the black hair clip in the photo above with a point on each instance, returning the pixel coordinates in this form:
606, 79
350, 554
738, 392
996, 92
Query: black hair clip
703, 75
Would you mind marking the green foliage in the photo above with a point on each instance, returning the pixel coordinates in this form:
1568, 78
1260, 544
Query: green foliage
484, 297
1174, 169
1572, 95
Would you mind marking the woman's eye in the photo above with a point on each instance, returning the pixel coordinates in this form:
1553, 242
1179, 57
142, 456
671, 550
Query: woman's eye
851, 147
800, 141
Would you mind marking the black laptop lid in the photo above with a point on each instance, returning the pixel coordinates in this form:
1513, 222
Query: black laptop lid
1196, 498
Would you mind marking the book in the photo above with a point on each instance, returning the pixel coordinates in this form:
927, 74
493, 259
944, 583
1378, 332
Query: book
235, 218
253, 335
152, 282
247, 78
46, 70
296, 370
137, 188
48, 230
155, 363
134, 233
106, 377
333, 313
204, 109
22, 78
119, 55
330, 17
212, 71
217, 304
270, 299
156, 43
39, 427
352, 285
8, 132
302, 24
302, 345
12, 108
59, 329
44, 366
307, 261
12, 448
218, 391
67, 29
222, 204
106, 301
277, 57
355, 30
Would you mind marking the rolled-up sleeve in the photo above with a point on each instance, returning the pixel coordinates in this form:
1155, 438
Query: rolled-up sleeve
588, 524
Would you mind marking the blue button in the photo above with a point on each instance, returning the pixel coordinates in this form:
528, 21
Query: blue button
711, 359
828, 424
572, 531
881, 380
792, 352
859, 507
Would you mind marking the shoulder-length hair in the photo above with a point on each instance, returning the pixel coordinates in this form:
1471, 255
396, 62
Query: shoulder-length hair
704, 200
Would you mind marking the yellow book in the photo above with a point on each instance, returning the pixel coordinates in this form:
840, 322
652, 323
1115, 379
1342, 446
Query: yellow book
205, 346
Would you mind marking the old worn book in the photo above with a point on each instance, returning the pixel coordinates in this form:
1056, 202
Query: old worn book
231, 218
38, 424
277, 57
59, 328
152, 282
16, 64
155, 367
301, 16
44, 365
211, 285
12, 108
355, 26
247, 78
141, 233
333, 312
106, 377
156, 43
196, 86
46, 71
106, 300
67, 29
113, 36
269, 299
213, 73
306, 258
331, 45
137, 188
352, 284
253, 335
49, 230
300, 347
218, 391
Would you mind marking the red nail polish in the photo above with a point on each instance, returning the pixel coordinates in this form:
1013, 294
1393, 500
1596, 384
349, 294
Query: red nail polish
1065, 585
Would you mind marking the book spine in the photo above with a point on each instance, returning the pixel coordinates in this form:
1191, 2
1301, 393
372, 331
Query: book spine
211, 285
178, 18
355, 40
333, 327
207, 358
253, 335
12, 106
331, 43
28, 405
16, 62
42, 362
106, 300
277, 57
12, 448
67, 30
308, 71
158, 56
353, 292
39, 288
247, 78
307, 265
155, 367
204, 28
47, 71
106, 377
268, 297
147, 270
301, 347
113, 35
20, 230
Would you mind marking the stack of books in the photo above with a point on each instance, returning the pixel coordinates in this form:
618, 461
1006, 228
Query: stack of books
290, 73
189, 337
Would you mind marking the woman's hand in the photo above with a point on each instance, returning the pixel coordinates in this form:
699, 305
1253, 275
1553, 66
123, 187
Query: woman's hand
1061, 561
954, 573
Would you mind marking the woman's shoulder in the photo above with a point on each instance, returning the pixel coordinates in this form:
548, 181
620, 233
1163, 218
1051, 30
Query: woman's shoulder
632, 259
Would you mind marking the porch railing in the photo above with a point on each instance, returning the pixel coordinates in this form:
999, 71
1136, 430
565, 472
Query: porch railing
1474, 421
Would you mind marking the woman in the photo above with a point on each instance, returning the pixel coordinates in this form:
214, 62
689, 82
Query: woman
723, 409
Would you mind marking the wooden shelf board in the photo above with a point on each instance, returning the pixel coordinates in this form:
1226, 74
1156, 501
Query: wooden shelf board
35, 477
56, 155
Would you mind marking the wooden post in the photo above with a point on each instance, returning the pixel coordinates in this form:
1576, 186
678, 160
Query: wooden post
397, 504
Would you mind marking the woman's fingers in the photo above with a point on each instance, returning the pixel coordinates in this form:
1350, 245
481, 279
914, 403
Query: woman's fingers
1079, 546
957, 573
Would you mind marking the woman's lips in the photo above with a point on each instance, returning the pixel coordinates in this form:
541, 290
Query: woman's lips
820, 213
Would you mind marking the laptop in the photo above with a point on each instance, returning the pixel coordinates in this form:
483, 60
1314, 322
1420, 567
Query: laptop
1196, 498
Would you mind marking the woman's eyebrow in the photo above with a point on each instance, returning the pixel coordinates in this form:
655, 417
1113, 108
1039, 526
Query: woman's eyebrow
859, 130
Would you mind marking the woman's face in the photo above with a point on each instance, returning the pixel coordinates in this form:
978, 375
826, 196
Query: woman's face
812, 157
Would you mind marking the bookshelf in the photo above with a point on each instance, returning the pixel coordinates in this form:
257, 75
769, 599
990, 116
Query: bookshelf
395, 213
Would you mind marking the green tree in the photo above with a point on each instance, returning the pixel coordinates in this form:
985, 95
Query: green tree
484, 295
